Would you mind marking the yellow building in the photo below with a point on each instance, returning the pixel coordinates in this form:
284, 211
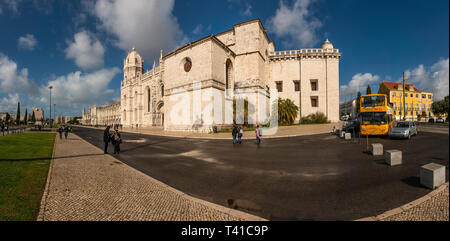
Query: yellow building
417, 104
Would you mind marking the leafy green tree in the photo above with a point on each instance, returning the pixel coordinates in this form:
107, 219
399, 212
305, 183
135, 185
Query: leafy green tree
287, 111
369, 90
18, 114
33, 118
25, 118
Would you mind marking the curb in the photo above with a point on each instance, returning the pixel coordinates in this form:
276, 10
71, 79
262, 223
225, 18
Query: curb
407, 206
41, 214
232, 212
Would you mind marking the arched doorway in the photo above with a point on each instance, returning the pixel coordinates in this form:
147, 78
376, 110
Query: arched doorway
160, 111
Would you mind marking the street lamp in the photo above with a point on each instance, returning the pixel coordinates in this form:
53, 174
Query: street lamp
54, 112
50, 88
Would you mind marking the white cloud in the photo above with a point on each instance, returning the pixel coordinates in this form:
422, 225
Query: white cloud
12, 79
198, 30
27, 42
248, 10
77, 88
359, 83
295, 24
434, 79
87, 51
148, 25
9, 104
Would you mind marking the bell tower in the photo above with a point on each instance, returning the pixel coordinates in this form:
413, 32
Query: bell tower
133, 66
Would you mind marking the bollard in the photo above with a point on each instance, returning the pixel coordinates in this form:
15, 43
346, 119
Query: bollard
432, 175
377, 149
393, 157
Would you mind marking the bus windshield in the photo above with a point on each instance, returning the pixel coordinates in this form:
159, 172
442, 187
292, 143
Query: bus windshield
372, 101
373, 118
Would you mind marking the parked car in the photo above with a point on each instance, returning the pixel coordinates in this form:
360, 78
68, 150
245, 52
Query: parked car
440, 120
431, 120
352, 126
403, 129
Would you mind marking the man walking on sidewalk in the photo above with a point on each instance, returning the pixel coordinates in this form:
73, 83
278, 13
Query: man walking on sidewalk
106, 139
234, 133
258, 135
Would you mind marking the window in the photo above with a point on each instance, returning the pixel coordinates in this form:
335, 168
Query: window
412, 95
417, 95
148, 100
394, 93
314, 85
162, 90
400, 94
417, 106
394, 105
297, 85
424, 96
429, 97
406, 106
187, 65
279, 86
314, 101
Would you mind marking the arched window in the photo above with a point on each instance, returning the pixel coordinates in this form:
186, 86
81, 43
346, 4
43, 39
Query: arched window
228, 73
162, 90
148, 100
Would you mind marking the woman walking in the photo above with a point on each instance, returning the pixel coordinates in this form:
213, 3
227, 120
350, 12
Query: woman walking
240, 134
116, 141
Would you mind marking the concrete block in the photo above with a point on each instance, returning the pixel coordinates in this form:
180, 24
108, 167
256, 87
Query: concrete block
348, 136
376, 149
342, 134
432, 175
393, 157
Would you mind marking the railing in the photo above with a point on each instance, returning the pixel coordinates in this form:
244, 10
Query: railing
302, 51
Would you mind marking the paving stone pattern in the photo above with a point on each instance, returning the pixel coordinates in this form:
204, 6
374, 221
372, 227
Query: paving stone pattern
85, 184
435, 208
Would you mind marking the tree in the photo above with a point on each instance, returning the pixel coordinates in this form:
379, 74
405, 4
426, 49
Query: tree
441, 107
369, 90
8, 117
33, 118
287, 111
18, 114
25, 118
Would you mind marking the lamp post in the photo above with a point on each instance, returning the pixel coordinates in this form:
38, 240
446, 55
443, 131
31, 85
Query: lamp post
54, 112
50, 88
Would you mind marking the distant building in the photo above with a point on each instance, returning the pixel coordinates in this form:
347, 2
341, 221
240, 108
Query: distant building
417, 103
349, 108
63, 119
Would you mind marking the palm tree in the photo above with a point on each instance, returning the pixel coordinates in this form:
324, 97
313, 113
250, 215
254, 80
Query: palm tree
287, 111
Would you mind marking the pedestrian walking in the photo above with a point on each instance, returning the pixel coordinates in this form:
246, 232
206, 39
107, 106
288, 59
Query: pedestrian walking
240, 134
234, 133
66, 132
116, 141
106, 139
3, 129
60, 130
258, 133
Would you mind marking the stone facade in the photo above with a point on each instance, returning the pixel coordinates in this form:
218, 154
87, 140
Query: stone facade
193, 87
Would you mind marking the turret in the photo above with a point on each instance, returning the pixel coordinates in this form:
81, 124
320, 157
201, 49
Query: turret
133, 66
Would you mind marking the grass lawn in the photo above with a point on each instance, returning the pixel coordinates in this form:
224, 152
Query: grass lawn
24, 164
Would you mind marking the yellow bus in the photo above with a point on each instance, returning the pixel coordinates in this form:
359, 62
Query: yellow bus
375, 115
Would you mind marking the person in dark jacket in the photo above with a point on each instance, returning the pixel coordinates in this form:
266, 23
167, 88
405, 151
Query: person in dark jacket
106, 138
60, 130
240, 134
234, 132
66, 132
116, 141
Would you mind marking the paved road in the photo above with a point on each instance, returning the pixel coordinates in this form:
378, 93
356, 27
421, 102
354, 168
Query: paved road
315, 177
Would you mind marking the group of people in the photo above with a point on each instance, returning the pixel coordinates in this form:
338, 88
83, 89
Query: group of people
4, 128
65, 130
238, 132
114, 138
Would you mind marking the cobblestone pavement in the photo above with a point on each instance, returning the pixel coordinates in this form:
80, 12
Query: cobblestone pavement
282, 131
85, 184
435, 208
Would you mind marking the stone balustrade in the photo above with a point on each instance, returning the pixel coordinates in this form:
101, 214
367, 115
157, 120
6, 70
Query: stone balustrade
301, 51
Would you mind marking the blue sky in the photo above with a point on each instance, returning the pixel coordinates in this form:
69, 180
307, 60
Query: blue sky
79, 46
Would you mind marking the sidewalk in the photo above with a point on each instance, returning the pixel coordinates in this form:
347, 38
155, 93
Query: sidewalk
283, 131
85, 184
